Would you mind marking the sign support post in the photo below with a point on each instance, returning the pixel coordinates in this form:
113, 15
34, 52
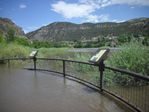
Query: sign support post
33, 55
98, 59
101, 69
34, 60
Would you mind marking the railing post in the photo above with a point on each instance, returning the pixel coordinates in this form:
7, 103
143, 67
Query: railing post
64, 68
101, 69
8, 63
34, 60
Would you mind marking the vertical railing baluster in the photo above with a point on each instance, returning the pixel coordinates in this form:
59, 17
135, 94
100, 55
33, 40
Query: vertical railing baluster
8, 63
101, 78
34, 60
64, 68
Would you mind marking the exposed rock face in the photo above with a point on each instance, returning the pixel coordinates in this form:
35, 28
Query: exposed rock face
6, 24
65, 31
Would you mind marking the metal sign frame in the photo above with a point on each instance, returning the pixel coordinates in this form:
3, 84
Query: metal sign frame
33, 54
99, 56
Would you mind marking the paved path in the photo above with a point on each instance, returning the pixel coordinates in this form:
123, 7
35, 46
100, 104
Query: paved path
29, 91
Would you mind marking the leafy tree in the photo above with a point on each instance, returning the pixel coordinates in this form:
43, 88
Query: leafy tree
10, 35
124, 38
22, 41
146, 41
1, 38
78, 44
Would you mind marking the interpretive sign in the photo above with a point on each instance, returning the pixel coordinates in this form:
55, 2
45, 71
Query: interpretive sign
33, 54
99, 56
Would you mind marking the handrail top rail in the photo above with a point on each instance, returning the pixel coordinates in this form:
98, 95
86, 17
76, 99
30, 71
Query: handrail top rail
131, 73
60, 59
3, 59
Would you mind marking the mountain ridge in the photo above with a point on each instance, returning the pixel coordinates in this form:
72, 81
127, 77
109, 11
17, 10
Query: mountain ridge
67, 31
7, 24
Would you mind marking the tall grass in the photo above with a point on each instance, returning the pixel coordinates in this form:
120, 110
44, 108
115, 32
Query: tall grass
132, 56
52, 52
13, 51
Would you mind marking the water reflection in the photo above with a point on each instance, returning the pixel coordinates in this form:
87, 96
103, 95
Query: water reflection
33, 91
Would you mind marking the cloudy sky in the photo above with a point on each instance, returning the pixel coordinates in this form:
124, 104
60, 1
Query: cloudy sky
32, 14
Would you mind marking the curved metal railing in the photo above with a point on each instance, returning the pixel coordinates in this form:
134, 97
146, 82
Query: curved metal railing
129, 87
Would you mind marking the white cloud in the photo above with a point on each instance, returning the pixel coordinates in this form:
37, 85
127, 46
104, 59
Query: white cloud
95, 18
104, 3
22, 6
86, 9
92, 18
132, 7
103, 18
131, 2
96, 3
72, 10
45, 24
118, 21
76, 10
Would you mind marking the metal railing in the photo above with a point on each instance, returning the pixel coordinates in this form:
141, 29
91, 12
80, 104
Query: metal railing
129, 87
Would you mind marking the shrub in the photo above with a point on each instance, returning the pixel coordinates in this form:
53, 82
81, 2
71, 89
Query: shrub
132, 56
146, 41
124, 38
1, 39
13, 51
10, 35
22, 41
53, 53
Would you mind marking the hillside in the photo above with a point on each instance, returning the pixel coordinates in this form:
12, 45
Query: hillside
6, 25
65, 31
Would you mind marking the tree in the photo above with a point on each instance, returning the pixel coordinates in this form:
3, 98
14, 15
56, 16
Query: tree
22, 41
146, 41
78, 44
1, 37
10, 35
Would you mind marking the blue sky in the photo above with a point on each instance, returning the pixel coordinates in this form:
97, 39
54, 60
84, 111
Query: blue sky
32, 14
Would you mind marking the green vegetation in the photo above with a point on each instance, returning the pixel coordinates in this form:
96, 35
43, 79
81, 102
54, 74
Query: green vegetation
132, 56
54, 53
46, 44
1, 38
13, 50
64, 31
20, 40
111, 41
145, 41
91, 44
10, 35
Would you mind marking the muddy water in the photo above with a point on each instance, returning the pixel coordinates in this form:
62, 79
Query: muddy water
28, 91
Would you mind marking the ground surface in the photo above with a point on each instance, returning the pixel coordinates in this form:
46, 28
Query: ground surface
28, 91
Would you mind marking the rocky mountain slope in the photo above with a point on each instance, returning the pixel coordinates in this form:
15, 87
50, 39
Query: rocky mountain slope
65, 31
6, 25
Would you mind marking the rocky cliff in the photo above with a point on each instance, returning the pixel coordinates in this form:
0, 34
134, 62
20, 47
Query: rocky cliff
6, 25
65, 31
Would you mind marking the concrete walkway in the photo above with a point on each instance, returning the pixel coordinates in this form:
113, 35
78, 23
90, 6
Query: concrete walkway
29, 91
